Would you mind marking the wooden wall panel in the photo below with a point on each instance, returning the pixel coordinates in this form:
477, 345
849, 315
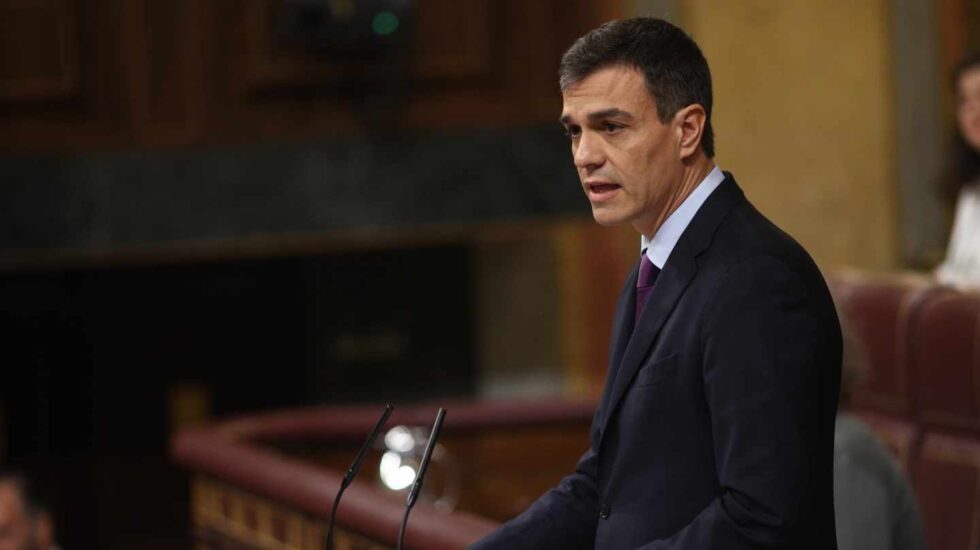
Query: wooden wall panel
120, 74
454, 39
37, 51
61, 74
162, 42
261, 62
593, 264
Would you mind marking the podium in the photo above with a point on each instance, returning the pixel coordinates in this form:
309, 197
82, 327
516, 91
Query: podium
268, 480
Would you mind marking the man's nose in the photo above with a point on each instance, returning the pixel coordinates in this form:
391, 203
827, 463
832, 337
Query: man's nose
588, 152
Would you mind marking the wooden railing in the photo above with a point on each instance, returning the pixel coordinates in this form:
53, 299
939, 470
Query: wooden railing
268, 480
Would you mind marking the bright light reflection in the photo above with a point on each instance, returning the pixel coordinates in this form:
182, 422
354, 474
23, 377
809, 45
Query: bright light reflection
394, 474
400, 439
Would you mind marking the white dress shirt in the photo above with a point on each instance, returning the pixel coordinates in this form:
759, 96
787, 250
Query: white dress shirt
962, 266
659, 247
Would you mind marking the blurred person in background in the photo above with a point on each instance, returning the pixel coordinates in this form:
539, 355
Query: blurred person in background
874, 505
961, 182
25, 522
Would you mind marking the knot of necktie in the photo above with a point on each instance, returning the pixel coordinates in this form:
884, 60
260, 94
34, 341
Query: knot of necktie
648, 273
644, 282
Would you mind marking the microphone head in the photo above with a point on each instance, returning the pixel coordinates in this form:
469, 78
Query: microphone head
426, 457
359, 459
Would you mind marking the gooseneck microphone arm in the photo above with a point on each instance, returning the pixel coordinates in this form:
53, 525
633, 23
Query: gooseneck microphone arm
413, 494
352, 471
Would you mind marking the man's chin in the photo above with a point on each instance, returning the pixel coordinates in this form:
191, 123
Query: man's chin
606, 218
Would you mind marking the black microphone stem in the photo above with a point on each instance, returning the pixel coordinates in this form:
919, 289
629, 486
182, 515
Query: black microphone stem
352, 471
413, 494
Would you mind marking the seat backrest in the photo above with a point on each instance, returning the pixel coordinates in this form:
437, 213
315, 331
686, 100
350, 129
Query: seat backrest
944, 360
901, 436
878, 310
947, 481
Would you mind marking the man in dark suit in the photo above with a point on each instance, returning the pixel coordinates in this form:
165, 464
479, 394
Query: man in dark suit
715, 429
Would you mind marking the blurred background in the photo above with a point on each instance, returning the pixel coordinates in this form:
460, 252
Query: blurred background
213, 207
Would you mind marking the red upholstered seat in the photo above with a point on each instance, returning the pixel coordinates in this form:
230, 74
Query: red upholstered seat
923, 342
944, 359
878, 310
899, 435
947, 479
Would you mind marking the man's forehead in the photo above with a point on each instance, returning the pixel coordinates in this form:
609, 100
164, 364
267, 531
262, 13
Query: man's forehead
616, 87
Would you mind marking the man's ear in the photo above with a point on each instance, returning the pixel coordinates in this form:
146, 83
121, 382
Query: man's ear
690, 125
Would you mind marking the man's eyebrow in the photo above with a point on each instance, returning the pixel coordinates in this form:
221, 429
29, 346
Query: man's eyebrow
599, 115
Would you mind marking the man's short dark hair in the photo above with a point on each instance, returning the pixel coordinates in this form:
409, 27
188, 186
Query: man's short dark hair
673, 66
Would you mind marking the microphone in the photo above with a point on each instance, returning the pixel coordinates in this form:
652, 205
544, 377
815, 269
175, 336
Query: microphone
413, 494
354, 468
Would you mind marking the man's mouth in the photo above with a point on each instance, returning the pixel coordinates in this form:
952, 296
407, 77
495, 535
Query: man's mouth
602, 187
601, 190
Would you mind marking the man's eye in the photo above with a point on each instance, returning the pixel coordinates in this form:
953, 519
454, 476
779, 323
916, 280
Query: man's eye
611, 128
572, 132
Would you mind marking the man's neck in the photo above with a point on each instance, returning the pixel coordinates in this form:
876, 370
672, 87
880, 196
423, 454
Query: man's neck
693, 175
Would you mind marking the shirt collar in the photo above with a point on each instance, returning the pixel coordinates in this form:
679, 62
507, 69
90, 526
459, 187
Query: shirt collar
659, 247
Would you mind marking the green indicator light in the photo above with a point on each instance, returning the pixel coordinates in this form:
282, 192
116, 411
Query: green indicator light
385, 23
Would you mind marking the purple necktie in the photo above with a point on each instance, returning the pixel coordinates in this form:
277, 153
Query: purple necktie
644, 282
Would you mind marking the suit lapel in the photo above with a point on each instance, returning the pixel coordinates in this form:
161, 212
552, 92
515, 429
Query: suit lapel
670, 286
622, 328
624, 320
632, 345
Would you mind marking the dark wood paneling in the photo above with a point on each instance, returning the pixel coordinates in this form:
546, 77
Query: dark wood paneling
121, 74
452, 41
37, 51
455, 39
165, 69
62, 75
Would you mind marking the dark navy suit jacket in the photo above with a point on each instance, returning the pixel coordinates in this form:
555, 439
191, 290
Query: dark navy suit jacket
716, 425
